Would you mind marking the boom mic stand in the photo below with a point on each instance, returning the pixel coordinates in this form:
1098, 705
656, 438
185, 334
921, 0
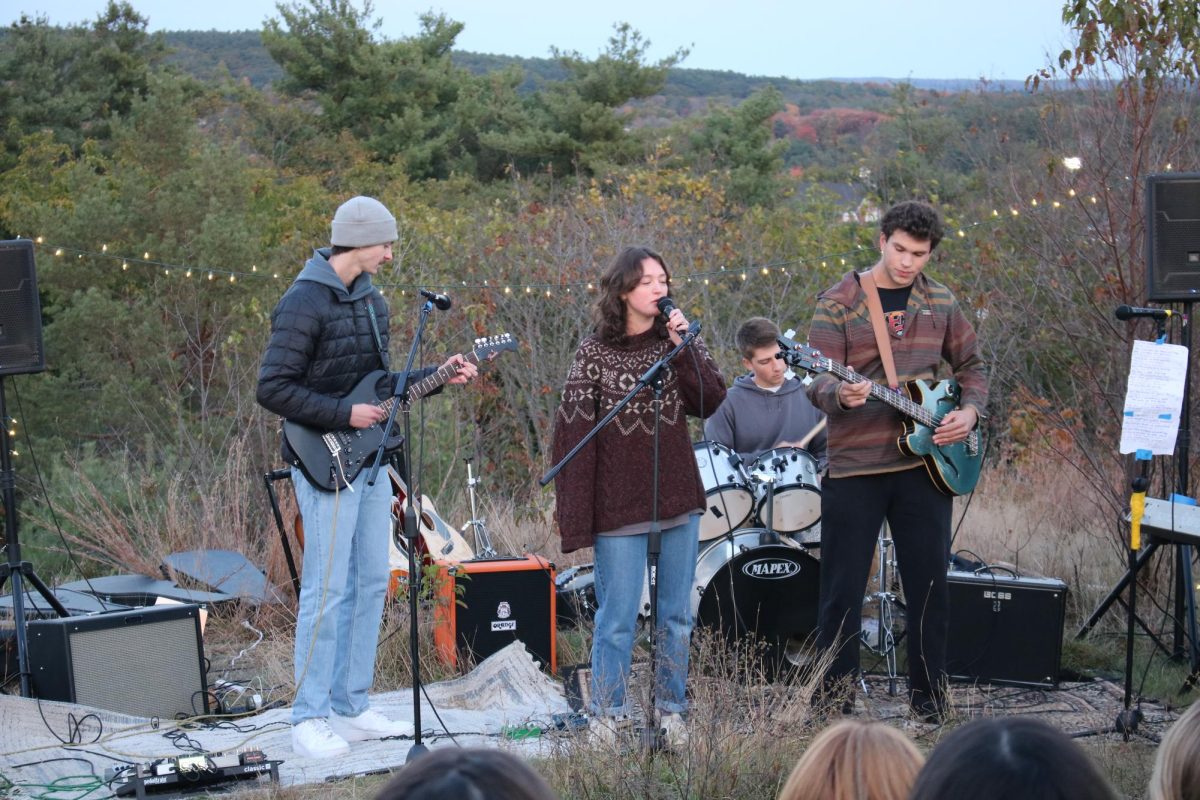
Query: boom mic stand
16, 570
653, 377
410, 525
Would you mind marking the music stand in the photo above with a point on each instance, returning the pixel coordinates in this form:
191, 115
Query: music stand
1168, 522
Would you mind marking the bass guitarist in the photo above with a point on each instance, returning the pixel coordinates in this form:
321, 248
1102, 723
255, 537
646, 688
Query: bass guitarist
328, 331
870, 479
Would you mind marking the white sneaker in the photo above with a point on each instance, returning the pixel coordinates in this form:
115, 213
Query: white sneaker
674, 731
368, 725
313, 738
609, 732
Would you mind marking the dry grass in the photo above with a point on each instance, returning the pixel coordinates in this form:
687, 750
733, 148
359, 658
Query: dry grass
747, 732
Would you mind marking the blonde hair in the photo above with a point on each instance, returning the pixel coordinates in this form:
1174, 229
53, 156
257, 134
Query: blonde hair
1177, 765
855, 760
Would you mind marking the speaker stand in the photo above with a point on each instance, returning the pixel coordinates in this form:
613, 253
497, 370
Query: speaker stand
16, 571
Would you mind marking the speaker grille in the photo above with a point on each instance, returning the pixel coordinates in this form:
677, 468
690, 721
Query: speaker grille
1173, 237
167, 675
20, 310
147, 662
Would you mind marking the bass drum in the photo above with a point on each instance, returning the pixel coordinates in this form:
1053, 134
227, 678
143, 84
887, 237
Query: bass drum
797, 495
762, 592
729, 499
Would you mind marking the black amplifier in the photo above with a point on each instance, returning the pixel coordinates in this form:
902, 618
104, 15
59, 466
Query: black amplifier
1005, 629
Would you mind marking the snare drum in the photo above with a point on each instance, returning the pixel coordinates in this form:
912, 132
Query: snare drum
745, 588
730, 500
797, 496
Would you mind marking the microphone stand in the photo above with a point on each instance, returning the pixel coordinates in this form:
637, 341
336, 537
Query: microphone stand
653, 377
418, 749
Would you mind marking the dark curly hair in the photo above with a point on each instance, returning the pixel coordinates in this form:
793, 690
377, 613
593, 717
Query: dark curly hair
620, 278
919, 220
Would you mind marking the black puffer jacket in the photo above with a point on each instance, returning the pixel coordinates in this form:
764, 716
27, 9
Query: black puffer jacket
322, 344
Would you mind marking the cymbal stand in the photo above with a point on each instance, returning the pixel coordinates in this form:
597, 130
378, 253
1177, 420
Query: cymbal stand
885, 641
769, 534
483, 539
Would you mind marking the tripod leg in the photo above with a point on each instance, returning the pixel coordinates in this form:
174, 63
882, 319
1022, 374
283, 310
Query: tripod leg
1107, 602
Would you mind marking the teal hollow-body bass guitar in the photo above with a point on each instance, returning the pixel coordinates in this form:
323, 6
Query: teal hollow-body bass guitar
333, 459
954, 468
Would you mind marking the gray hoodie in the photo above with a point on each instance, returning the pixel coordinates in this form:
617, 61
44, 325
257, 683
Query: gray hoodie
754, 420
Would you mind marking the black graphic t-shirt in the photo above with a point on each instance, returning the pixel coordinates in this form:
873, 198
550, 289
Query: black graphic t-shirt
894, 302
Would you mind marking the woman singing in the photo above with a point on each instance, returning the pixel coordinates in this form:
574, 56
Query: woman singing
604, 496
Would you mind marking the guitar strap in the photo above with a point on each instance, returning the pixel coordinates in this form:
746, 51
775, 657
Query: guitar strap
383, 356
867, 280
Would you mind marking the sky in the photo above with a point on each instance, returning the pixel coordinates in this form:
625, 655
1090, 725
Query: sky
804, 39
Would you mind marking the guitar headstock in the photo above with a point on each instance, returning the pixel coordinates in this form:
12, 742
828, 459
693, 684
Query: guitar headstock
489, 346
801, 356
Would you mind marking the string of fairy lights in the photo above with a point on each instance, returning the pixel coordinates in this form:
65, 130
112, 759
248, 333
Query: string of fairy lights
146, 261
544, 288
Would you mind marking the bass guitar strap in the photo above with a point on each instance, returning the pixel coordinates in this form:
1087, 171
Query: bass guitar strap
867, 280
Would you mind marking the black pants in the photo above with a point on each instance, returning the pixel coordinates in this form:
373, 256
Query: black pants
918, 516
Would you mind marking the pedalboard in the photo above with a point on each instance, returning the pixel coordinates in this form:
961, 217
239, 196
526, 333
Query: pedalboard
197, 772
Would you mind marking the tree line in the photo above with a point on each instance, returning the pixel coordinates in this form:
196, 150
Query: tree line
168, 202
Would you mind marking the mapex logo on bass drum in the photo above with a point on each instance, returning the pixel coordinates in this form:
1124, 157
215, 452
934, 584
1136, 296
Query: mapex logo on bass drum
770, 568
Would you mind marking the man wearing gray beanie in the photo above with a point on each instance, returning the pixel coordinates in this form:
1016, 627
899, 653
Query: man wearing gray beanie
328, 332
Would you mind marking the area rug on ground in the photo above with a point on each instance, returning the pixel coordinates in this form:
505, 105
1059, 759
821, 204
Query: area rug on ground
43, 741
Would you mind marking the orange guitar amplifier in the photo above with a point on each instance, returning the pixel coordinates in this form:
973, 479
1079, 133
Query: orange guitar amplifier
486, 604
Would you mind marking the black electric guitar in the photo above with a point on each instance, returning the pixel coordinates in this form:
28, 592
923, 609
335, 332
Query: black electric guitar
954, 468
332, 459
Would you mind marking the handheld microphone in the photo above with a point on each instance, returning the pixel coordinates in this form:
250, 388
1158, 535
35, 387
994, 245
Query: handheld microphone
439, 300
1132, 312
666, 305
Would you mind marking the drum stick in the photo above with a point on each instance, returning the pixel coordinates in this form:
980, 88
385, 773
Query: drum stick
820, 426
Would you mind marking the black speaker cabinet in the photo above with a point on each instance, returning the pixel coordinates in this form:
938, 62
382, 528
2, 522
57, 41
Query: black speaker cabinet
1173, 237
147, 662
1005, 629
484, 606
20, 310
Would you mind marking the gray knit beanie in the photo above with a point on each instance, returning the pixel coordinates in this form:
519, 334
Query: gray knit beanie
362, 222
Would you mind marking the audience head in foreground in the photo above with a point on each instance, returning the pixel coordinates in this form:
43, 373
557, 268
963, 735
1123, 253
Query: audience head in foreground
991, 759
467, 774
1177, 765
855, 759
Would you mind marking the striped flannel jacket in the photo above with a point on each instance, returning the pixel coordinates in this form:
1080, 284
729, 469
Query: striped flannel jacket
862, 441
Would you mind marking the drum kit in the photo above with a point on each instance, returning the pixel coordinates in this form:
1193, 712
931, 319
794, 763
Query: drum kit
757, 574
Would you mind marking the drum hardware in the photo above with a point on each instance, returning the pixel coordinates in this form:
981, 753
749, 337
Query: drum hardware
883, 641
483, 540
729, 499
796, 490
761, 478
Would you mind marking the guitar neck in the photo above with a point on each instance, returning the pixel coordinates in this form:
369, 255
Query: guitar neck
893, 397
430, 382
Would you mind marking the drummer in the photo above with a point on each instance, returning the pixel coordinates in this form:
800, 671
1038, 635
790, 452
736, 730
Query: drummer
766, 409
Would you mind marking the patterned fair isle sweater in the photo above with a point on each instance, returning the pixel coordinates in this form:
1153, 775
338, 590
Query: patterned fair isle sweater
862, 441
608, 484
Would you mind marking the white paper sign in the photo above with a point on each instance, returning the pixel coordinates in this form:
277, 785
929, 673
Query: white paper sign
1153, 401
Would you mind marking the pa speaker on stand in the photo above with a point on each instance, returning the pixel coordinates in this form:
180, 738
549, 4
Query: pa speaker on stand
20, 310
1173, 237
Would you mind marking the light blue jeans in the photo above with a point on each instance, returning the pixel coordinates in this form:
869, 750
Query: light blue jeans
342, 591
620, 576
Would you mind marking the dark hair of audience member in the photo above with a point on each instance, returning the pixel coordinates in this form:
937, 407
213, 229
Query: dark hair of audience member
467, 774
855, 759
997, 759
1177, 765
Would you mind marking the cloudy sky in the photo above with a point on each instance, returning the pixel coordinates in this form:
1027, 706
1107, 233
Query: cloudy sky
795, 39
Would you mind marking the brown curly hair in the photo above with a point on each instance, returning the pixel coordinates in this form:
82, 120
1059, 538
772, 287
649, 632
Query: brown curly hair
620, 278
